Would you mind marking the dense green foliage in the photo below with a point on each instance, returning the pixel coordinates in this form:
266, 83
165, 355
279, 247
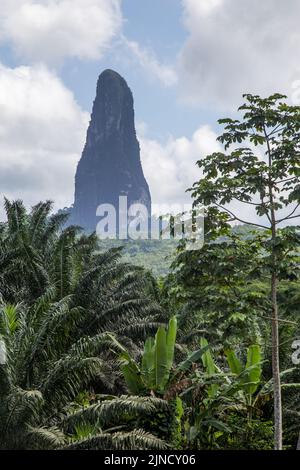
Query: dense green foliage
97, 353
154, 255
259, 169
81, 365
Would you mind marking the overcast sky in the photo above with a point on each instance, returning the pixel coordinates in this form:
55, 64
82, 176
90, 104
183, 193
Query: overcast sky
187, 62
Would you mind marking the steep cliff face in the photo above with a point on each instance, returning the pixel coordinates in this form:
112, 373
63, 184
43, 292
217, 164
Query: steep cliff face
110, 165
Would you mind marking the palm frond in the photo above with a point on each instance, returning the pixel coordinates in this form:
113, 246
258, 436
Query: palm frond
132, 440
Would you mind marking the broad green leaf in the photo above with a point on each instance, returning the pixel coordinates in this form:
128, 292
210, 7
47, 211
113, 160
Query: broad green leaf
253, 366
210, 366
207, 359
171, 339
148, 364
234, 363
194, 357
132, 376
160, 358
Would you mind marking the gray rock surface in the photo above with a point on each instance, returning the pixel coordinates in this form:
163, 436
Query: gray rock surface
110, 165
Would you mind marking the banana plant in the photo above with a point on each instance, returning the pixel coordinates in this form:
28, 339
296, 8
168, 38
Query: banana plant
244, 379
247, 376
157, 360
223, 391
157, 373
210, 367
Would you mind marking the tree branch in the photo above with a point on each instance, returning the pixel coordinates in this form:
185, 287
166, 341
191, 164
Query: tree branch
276, 130
250, 202
286, 180
293, 217
290, 215
241, 220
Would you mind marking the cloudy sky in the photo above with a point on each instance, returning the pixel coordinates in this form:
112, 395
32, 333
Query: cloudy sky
187, 62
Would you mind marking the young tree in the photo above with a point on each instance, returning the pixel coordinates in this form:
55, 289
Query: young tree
221, 290
260, 170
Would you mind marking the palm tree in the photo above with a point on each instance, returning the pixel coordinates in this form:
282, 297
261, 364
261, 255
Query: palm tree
42, 373
38, 257
63, 303
26, 240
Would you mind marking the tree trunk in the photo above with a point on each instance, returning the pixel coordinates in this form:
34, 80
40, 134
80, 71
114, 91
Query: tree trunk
298, 443
276, 366
275, 332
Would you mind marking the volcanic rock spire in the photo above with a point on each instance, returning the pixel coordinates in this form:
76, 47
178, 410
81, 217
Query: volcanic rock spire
110, 165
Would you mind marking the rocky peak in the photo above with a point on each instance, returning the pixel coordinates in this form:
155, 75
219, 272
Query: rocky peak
110, 165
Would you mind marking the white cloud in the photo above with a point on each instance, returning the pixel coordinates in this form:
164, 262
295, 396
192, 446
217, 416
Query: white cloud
170, 167
146, 58
236, 47
42, 132
50, 30
202, 7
